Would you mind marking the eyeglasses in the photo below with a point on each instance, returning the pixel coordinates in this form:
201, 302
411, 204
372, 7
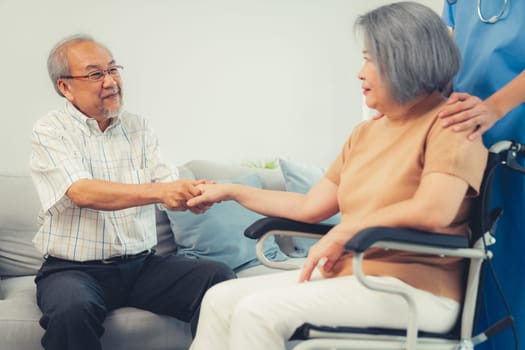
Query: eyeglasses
113, 71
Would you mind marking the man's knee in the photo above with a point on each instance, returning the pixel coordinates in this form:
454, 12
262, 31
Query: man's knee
66, 299
73, 314
218, 271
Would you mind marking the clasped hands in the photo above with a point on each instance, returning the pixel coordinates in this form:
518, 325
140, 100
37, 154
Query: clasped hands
177, 194
325, 254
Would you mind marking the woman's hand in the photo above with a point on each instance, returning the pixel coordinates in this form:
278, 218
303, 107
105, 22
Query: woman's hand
177, 193
325, 252
210, 193
464, 111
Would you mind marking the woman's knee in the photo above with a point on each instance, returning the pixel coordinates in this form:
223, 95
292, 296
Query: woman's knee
218, 295
254, 319
256, 308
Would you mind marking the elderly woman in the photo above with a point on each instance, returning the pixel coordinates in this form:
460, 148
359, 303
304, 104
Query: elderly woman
403, 170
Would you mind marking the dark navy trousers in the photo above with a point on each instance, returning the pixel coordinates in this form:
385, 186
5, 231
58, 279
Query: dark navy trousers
76, 296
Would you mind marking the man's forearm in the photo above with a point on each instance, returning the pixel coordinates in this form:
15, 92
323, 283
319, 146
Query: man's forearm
105, 195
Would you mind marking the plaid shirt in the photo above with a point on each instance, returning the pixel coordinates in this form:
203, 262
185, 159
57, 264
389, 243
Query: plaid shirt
68, 146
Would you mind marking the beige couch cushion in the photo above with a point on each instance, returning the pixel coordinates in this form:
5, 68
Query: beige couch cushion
211, 170
18, 224
19, 209
20, 205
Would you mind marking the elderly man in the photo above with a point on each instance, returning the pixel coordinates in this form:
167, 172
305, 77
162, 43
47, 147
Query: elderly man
98, 173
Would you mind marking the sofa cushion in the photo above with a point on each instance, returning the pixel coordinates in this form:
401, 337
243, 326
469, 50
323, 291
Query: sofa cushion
165, 243
211, 170
125, 328
18, 224
300, 178
185, 172
217, 234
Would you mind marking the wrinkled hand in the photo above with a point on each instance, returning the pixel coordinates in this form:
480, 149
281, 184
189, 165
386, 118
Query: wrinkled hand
177, 193
463, 112
326, 251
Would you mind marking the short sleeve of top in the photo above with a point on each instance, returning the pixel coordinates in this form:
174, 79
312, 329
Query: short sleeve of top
383, 161
492, 56
452, 153
67, 146
56, 162
382, 164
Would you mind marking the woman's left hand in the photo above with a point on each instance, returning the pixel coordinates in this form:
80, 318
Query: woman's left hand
463, 112
326, 251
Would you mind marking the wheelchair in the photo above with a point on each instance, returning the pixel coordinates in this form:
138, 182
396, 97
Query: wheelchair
475, 250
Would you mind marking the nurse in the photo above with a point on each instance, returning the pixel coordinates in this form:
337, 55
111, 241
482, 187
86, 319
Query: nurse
489, 92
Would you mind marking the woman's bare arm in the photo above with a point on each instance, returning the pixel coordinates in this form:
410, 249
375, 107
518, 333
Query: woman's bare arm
318, 204
433, 206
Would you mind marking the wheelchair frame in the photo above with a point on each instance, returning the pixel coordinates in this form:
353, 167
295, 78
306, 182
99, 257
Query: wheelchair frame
503, 153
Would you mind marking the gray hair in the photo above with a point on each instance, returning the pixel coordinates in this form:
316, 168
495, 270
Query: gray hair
57, 61
412, 48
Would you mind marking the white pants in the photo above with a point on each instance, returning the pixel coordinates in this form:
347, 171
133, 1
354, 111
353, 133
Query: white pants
262, 312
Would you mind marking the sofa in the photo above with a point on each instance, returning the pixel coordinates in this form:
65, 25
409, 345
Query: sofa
130, 328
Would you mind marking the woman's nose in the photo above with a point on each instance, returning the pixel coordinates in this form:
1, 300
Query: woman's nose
360, 74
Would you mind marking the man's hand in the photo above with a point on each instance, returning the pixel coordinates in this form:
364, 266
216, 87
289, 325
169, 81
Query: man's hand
210, 193
177, 193
464, 111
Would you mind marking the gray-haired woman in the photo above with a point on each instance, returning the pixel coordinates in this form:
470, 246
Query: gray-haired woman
403, 170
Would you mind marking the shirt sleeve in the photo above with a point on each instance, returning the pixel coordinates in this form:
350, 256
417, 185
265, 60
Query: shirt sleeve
333, 172
160, 170
55, 165
452, 153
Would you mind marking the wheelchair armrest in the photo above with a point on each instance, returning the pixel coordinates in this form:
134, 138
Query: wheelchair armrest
264, 228
408, 240
364, 239
264, 225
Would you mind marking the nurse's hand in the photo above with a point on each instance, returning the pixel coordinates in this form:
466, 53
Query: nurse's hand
463, 111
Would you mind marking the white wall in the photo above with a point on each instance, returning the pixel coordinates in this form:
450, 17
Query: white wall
229, 80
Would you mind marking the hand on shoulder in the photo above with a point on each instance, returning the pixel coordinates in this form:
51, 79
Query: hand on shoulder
464, 111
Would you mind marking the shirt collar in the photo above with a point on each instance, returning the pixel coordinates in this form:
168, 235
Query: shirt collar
87, 124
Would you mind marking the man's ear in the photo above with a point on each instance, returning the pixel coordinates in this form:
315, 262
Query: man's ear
64, 88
